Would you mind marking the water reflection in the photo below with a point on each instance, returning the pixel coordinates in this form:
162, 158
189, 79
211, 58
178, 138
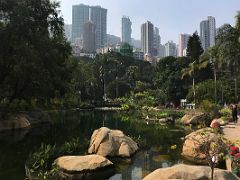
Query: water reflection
155, 141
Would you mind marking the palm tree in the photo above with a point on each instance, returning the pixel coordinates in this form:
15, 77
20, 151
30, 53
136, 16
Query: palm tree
192, 67
211, 56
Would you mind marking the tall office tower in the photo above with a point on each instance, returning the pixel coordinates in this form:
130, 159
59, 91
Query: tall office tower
89, 37
80, 15
147, 38
156, 42
170, 49
98, 16
208, 32
182, 43
126, 30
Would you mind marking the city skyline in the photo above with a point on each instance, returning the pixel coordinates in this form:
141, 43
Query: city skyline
172, 17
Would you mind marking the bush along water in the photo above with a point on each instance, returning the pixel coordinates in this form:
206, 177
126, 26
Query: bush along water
40, 164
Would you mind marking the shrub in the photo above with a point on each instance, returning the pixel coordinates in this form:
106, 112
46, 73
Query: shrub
210, 108
40, 163
226, 112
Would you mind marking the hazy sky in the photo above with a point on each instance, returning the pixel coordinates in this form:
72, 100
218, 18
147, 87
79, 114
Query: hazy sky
170, 16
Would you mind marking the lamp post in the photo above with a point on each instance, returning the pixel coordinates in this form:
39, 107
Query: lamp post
194, 90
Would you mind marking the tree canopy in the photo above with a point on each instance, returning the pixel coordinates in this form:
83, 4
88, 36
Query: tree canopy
34, 54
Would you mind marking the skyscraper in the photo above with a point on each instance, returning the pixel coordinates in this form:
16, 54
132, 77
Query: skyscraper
147, 38
182, 43
98, 16
126, 30
80, 15
208, 32
170, 49
212, 30
156, 42
89, 37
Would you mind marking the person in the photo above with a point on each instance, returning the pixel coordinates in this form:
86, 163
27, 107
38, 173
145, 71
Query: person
234, 113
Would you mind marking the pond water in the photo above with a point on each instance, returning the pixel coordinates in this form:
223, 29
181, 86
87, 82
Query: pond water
16, 146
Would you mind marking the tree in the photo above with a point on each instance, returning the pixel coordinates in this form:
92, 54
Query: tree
194, 47
211, 57
168, 78
229, 52
34, 54
126, 50
194, 51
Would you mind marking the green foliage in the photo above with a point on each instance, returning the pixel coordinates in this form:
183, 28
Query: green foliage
226, 113
210, 108
151, 113
205, 90
34, 55
168, 79
41, 162
206, 106
126, 49
194, 48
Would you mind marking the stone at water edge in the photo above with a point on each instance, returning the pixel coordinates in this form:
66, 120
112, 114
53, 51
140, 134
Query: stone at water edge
106, 142
84, 167
19, 121
194, 119
193, 143
182, 171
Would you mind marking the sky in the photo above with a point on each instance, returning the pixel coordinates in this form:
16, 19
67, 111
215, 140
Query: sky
170, 16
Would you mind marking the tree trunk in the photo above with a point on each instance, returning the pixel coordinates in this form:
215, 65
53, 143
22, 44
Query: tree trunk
212, 172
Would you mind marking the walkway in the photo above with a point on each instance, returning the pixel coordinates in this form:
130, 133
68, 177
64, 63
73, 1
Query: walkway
232, 131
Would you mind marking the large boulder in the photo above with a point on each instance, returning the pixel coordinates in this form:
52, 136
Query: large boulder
37, 117
182, 171
106, 142
23, 120
18, 121
84, 167
195, 119
195, 142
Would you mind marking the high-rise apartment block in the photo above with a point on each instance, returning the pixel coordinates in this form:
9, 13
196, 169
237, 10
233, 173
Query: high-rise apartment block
89, 37
97, 15
156, 42
170, 49
208, 32
182, 43
126, 30
80, 15
147, 38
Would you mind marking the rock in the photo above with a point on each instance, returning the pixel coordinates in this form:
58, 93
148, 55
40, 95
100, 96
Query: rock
195, 119
23, 120
215, 124
84, 167
106, 142
182, 171
19, 121
194, 143
37, 117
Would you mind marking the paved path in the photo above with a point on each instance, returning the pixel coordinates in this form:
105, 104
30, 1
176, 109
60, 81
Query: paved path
232, 131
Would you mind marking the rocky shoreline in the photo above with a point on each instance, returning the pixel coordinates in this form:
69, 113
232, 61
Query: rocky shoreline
23, 120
